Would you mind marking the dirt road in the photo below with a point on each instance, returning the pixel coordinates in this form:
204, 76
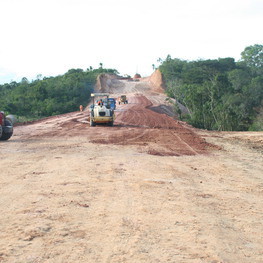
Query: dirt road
149, 189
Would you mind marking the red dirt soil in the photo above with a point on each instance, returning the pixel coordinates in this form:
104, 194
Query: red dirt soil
157, 133
135, 124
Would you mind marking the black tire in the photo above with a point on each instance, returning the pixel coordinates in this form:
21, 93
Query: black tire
110, 123
5, 136
92, 123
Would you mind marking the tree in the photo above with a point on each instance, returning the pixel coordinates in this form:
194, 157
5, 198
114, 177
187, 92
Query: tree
51, 95
239, 78
24, 80
219, 94
253, 57
258, 122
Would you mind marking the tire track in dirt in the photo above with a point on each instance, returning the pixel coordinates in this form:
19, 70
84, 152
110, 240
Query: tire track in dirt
160, 134
128, 232
135, 124
186, 144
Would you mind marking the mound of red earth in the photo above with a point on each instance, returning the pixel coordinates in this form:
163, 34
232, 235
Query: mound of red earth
137, 76
137, 123
155, 133
157, 81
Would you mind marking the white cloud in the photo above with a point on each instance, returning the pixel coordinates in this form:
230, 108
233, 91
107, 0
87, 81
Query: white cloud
52, 36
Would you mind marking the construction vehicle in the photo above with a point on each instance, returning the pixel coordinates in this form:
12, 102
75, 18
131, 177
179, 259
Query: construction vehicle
6, 126
112, 103
123, 99
100, 110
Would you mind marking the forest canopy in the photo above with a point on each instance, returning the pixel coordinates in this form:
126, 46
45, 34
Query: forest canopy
50, 95
220, 94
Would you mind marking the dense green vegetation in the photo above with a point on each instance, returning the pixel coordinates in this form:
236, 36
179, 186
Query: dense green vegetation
220, 94
50, 95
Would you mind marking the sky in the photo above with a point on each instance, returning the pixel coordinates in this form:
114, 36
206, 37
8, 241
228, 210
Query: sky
49, 37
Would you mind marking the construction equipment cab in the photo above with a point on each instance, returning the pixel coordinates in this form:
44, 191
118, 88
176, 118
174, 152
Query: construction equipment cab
100, 110
112, 103
123, 99
6, 126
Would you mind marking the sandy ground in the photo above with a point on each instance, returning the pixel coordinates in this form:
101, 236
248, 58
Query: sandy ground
149, 189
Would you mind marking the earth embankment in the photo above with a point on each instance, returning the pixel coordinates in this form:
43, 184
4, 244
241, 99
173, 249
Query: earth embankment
143, 123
